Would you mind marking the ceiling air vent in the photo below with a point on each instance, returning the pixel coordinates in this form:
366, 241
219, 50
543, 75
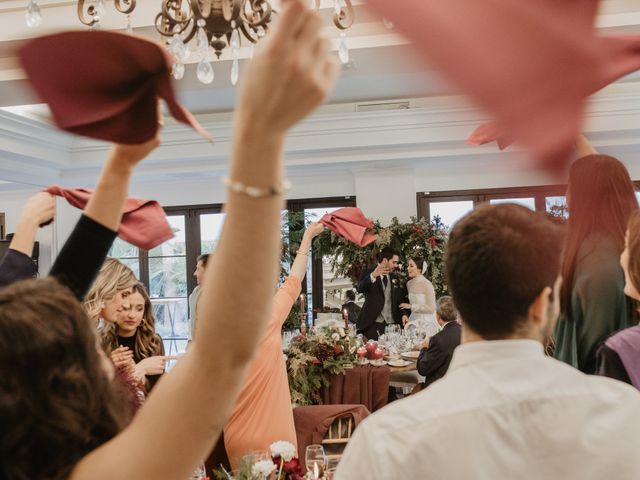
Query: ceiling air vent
377, 107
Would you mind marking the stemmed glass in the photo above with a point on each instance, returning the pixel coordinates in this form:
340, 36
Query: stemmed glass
315, 460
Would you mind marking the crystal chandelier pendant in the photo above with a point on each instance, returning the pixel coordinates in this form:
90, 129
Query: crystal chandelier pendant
33, 15
234, 43
100, 9
178, 71
178, 48
202, 42
235, 71
337, 7
205, 71
129, 27
343, 49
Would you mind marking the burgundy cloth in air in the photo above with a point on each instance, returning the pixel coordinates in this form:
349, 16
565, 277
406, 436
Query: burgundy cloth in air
531, 64
350, 223
144, 223
104, 85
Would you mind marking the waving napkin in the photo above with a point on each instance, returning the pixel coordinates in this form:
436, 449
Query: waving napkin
531, 64
104, 85
144, 223
350, 223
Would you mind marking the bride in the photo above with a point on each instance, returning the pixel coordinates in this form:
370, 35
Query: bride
422, 297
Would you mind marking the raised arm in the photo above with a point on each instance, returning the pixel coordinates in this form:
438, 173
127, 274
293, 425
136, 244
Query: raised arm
299, 267
77, 265
181, 420
16, 264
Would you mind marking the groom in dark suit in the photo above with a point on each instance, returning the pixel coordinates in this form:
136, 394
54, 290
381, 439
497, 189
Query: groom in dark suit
383, 294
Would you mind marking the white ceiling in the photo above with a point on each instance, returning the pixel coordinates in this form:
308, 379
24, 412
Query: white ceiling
383, 68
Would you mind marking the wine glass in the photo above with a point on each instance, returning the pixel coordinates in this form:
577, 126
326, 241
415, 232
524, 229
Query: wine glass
315, 459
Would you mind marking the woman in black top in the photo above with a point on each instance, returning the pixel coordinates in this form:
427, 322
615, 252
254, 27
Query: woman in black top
134, 329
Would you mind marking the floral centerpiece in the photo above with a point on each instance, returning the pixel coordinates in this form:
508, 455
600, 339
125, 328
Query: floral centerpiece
312, 359
283, 465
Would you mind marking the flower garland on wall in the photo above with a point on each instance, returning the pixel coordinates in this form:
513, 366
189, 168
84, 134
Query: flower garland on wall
418, 238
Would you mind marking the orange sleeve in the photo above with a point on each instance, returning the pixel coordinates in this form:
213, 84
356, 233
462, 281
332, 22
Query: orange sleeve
284, 299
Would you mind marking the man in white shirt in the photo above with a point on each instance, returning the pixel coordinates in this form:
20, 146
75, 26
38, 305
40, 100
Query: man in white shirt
503, 410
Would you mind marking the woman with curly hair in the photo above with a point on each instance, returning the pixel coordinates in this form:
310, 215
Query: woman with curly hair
134, 329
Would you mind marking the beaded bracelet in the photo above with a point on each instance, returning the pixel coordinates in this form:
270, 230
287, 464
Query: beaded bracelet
256, 192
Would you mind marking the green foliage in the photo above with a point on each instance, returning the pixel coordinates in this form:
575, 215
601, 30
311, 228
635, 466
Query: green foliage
311, 361
418, 238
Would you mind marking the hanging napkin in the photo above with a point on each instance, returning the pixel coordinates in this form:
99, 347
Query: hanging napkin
531, 64
104, 85
144, 223
351, 224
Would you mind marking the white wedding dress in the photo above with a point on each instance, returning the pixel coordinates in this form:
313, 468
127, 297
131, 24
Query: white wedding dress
422, 298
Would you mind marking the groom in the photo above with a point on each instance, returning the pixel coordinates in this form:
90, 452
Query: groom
383, 294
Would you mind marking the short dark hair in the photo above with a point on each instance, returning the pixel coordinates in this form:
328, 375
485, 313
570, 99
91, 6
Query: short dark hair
386, 252
446, 309
204, 258
351, 295
498, 260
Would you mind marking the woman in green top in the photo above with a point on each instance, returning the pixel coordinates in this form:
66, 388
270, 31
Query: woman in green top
601, 199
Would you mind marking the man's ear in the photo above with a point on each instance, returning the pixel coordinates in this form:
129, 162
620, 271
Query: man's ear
540, 306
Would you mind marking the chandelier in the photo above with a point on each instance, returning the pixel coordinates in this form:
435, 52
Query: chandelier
218, 24
89, 13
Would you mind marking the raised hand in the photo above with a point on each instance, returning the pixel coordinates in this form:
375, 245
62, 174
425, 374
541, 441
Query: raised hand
39, 209
313, 230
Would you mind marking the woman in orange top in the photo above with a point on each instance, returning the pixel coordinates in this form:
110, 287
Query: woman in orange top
263, 413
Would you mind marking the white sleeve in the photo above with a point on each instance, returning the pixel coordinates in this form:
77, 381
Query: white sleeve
359, 459
430, 298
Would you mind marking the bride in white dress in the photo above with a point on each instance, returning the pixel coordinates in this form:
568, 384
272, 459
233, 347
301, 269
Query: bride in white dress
422, 297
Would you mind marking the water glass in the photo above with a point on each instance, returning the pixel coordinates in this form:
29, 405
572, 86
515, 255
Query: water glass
199, 473
315, 459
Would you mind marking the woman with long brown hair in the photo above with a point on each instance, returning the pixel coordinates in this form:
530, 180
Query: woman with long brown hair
601, 198
134, 329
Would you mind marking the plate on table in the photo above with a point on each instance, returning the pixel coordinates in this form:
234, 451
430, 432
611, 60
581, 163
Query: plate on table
412, 355
398, 362
377, 363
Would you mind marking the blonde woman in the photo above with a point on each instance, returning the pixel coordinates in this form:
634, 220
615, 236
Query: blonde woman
106, 300
134, 329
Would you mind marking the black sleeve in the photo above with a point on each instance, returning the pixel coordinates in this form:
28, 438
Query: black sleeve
16, 266
82, 255
431, 361
364, 284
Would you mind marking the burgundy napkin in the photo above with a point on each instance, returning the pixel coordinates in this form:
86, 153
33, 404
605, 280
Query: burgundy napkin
350, 223
487, 133
104, 85
531, 64
144, 223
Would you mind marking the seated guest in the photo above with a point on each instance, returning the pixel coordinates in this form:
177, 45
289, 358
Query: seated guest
436, 354
352, 308
134, 330
504, 409
59, 417
263, 413
619, 356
